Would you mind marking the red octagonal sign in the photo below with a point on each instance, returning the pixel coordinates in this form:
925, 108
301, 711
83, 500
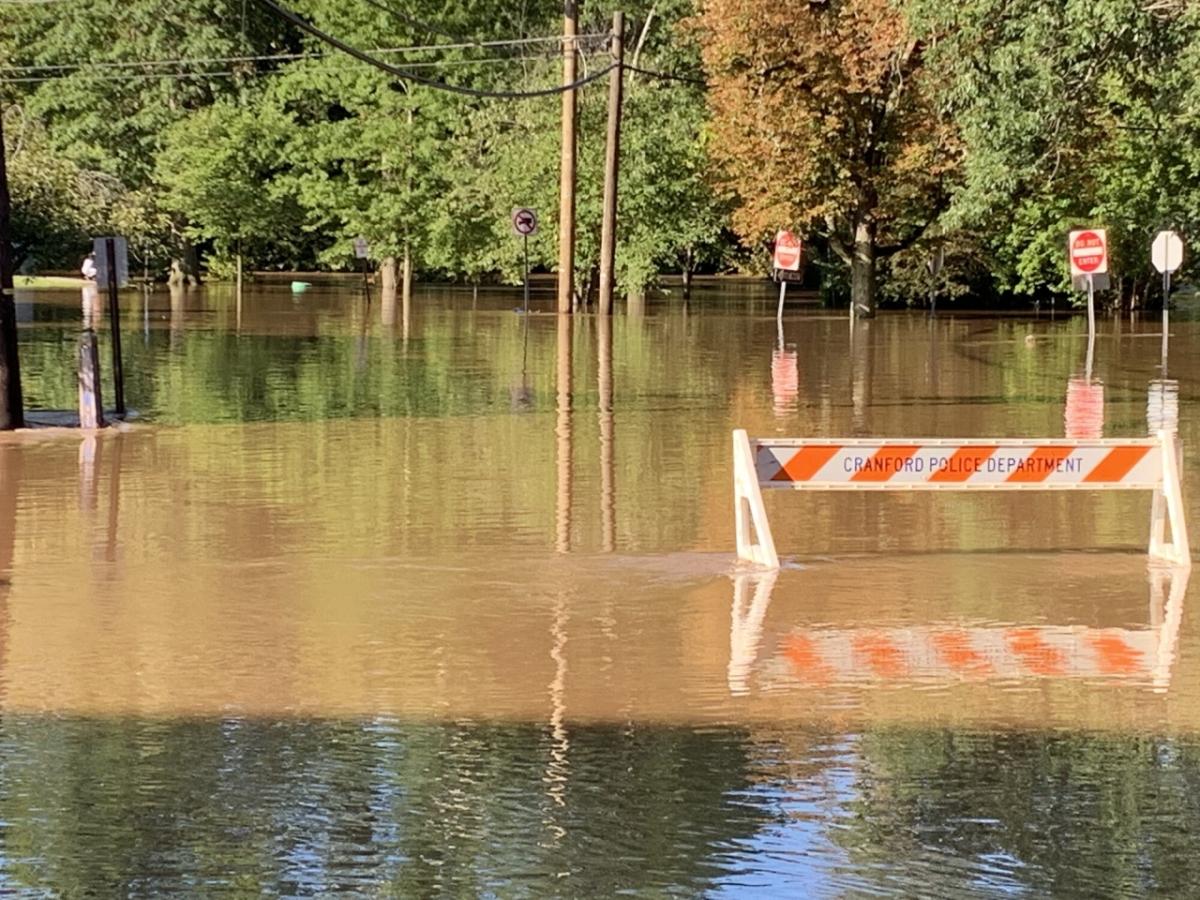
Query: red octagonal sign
787, 251
1088, 251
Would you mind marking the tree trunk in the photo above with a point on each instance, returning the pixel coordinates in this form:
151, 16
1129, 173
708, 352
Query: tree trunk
408, 274
185, 268
12, 405
862, 271
688, 266
387, 290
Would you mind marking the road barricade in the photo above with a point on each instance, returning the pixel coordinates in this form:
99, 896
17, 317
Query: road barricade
1149, 464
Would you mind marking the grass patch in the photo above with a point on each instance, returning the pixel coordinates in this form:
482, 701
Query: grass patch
47, 281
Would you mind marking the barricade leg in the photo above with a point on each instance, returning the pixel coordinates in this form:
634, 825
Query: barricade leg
1170, 499
754, 541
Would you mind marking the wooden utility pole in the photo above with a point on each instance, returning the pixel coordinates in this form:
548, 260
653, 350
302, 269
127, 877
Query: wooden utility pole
612, 159
12, 405
566, 185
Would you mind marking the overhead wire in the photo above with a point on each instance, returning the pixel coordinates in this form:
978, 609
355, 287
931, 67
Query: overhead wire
230, 73
404, 75
285, 57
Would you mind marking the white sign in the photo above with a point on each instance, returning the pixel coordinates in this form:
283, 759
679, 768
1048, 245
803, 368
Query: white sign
120, 254
524, 222
1167, 251
1087, 250
361, 248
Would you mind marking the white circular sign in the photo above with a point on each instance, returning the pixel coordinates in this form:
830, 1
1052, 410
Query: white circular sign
1167, 251
524, 222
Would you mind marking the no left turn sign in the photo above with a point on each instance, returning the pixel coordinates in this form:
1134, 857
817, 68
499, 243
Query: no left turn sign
524, 222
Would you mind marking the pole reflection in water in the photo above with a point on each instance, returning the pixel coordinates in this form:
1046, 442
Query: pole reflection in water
178, 300
562, 432
951, 652
88, 489
114, 449
558, 765
1083, 418
608, 515
11, 464
521, 397
90, 298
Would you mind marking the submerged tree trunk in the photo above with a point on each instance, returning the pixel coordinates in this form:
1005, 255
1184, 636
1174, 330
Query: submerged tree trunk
185, 268
387, 290
862, 271
689, 263
407, 273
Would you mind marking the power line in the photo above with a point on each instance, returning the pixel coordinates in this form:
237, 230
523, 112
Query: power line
229, 73
283, 57
418, 79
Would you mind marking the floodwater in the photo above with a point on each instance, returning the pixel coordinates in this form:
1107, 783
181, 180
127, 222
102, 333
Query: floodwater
445, 602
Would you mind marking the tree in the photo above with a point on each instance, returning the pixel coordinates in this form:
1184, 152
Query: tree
824, 119
1070, 114
219, 172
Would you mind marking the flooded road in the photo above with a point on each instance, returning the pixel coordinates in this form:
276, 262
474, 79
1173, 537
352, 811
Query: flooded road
446, 602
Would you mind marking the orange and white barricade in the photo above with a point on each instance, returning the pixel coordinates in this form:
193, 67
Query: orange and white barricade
1150, 464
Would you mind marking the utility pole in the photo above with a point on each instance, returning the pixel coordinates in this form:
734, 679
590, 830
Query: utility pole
566, 185
612, 159
12, 405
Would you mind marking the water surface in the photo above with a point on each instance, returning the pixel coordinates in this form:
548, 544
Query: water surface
444, 601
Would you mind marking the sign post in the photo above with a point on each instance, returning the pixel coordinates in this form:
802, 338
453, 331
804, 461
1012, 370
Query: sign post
525, 225
362, 250
788, 251
1087, 252
1166, 252
112, 267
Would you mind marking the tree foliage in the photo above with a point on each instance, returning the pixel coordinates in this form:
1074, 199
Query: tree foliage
825, 120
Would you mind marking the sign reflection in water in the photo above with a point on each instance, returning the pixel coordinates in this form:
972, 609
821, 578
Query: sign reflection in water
950, 651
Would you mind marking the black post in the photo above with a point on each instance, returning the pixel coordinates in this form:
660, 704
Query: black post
366, 282
12, 405
114, 315
525, 242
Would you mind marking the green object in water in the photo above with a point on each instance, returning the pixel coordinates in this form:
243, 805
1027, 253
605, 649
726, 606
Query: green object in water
299, 287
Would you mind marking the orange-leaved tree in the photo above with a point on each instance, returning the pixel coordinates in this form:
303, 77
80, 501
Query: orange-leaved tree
825, 119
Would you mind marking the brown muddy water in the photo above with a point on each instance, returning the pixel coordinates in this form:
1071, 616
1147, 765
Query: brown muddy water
445, 603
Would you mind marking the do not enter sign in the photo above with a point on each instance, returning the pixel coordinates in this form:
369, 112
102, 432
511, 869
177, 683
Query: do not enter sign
788, 249
1088, 251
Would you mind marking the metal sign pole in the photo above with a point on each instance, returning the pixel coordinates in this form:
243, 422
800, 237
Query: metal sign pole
779, 312
366, 282
525, 247
1091, 348
114, 314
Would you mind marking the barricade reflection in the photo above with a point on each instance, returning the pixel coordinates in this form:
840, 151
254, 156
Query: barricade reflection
949, 651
